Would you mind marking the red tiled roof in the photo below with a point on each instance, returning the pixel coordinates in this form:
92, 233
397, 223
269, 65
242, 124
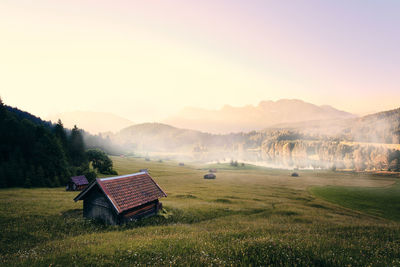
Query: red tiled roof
79, 180
128, 191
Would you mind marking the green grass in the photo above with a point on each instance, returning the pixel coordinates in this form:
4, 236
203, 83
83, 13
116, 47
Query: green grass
244, 217
384, 202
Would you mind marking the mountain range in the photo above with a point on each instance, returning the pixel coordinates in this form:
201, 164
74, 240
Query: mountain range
228, 119
248, 118
383, 127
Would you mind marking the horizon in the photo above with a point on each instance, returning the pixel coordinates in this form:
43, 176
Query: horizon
162, 119
54, 117
145, 61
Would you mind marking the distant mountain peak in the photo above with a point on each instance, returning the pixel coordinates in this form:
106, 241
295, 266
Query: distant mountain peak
247, 118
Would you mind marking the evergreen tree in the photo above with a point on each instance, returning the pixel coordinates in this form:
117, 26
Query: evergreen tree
76, 147
2, 110
61, 135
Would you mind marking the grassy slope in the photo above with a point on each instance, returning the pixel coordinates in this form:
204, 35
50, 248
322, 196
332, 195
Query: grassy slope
383, 202
256, 217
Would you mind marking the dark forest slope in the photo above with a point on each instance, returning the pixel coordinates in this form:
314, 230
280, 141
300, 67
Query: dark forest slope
34, 152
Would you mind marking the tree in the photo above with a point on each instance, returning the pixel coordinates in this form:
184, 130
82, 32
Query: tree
76, 147
394, 160
2, 110
100, 161
61, 135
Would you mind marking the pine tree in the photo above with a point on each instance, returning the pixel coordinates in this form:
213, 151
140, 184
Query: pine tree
76, 147
60, 133
2, 110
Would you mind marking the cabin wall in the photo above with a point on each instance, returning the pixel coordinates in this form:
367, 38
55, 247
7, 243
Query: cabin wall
145, 210
96, 206
81, 187
73, 187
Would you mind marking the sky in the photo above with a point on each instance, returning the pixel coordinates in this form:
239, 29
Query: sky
146, 60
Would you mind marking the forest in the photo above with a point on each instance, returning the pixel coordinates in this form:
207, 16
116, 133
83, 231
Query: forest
36, 153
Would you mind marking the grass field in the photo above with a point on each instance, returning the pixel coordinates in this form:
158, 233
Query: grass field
384, 202
247, 216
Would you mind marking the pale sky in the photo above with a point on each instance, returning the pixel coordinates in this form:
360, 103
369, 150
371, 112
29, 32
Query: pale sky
145, 60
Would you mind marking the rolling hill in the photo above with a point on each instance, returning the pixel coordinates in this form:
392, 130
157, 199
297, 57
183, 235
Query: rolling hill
366, 143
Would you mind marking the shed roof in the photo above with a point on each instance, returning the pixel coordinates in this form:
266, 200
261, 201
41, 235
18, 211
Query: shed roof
80, 180
127, 191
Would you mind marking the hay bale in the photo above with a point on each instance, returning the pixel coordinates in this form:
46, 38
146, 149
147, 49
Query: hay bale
210, 176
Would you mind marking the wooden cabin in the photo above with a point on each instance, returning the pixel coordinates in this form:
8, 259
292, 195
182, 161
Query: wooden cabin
77, 183
121, 199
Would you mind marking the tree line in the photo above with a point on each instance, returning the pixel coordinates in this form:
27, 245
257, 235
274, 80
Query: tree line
35, 153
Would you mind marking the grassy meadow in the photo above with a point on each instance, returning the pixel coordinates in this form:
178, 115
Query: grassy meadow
381, 201
247, 216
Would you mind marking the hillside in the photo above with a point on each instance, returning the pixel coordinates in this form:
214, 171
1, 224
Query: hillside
353, 143
36, 153
382, 127
20, 114
248, 118
162, 137
367, 143
158, 137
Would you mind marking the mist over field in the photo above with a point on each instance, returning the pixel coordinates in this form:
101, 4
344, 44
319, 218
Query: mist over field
356, 143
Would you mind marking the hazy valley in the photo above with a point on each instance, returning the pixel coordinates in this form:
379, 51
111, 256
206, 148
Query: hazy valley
354, 143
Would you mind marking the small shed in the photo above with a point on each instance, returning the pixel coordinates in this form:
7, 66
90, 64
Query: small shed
121, 199
77, 183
